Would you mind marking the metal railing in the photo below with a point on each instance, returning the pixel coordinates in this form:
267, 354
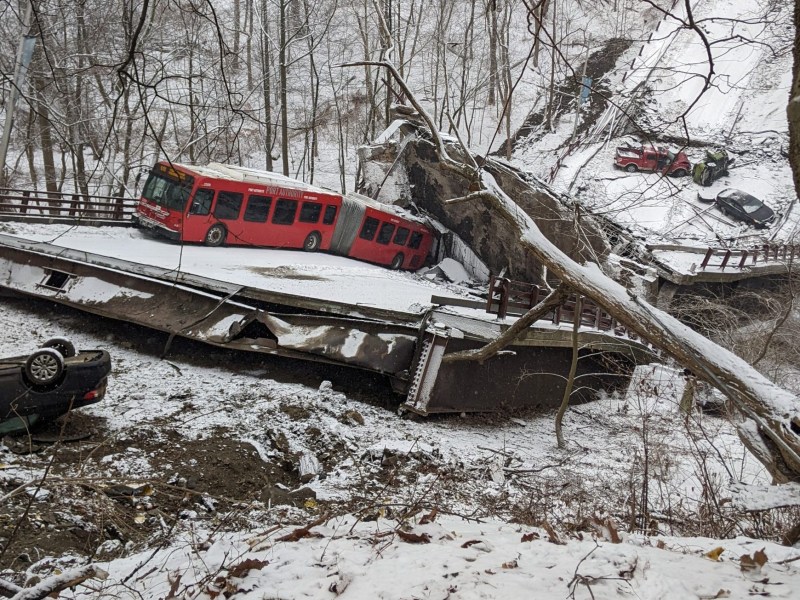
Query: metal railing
505, 293
61, 207
722, 258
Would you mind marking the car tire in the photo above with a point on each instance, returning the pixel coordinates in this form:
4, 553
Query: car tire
679, 173
397, 262
312, 242
64, 346
631, 168
215, 236
44, 367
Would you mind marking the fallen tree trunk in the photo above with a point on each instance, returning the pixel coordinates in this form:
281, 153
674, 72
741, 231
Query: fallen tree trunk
773, 430
775, 439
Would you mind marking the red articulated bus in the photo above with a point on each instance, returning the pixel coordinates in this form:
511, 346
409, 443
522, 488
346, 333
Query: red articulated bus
224, 204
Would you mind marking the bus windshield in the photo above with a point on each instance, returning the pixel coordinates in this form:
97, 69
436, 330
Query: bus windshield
168, 188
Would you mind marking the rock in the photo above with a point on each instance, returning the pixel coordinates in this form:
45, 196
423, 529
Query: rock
275, 495
279, 441
308, 467
352, 417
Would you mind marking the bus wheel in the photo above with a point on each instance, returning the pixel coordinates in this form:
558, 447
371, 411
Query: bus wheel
312, 242
216, 235
397, 262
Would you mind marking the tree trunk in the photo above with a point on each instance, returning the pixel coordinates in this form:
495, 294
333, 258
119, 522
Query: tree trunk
793, 110
265, 73
282, 52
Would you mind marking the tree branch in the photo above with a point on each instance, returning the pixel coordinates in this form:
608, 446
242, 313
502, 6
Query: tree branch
552, 300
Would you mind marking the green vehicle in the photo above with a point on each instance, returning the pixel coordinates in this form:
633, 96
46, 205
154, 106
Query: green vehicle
712, 168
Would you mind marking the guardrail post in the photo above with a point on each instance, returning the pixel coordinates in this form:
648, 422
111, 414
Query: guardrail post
23, 209
755, 256
725, 259
744, 258
533, 297
118, 209
76, 203
505, 292
490, 295
706, 258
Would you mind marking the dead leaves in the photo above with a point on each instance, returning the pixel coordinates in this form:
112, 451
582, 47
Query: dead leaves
414, 538
529, 537
715, 553
606, 529
753, 563
243, 568
304, 532
430, 517
512, 564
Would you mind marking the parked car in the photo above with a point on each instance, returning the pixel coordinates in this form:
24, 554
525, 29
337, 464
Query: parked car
49, 383
742, 206
652, 158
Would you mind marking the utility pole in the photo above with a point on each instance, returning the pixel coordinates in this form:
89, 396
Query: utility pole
24, 55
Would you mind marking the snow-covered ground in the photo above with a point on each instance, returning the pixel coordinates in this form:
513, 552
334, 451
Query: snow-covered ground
658, 81
496, 482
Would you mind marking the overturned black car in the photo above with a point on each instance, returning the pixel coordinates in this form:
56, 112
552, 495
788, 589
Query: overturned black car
49, 382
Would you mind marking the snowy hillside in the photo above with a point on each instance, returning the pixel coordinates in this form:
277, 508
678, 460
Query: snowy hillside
659, 82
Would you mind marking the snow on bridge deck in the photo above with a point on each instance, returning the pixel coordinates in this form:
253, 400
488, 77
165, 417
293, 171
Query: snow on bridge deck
323, 277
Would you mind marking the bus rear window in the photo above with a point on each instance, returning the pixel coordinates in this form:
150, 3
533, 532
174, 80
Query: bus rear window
330, 215
228, 205
401, 237
257, 209
385, 234
416, 240
309, 212
285, 210
369, 229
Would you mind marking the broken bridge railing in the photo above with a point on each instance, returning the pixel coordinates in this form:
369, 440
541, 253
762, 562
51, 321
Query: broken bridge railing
505, 294
733, 258
65, 207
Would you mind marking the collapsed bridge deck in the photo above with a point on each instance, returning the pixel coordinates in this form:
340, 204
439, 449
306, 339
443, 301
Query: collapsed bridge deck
312, 307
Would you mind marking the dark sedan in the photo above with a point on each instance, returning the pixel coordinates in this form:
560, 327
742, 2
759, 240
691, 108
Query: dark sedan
744, 207
49, 383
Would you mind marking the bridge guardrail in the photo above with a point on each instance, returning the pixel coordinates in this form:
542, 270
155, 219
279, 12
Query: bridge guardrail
44, 206
504, 293
722, 258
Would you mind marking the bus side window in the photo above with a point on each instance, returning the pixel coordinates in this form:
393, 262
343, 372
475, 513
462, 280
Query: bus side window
285, 211
309, 212
401, 237
416, 240
330, 215
201, 205
228, 205
369, 229
257, 209
385, 234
